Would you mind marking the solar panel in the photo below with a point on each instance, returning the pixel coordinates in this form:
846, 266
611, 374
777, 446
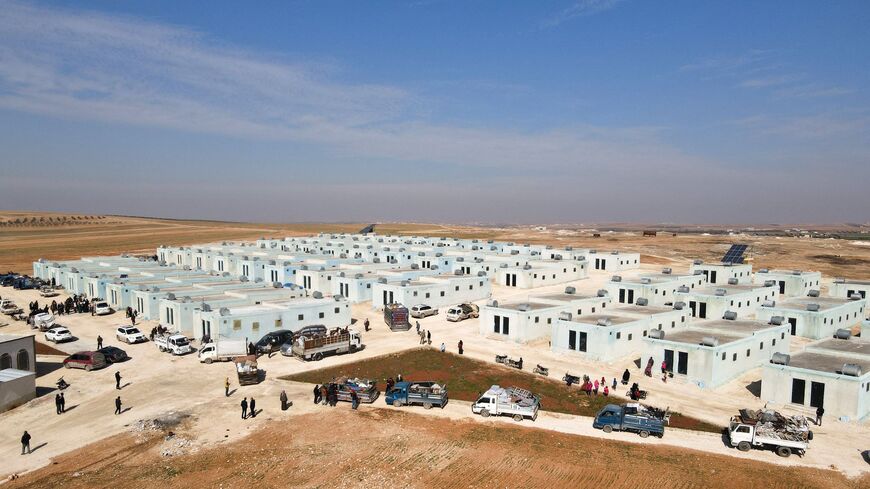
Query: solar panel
735, 254
368, 229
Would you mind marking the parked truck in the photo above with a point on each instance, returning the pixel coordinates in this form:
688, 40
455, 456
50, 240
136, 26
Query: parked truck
396, 317
463, 311
511, 401
366, 390
767, 429
336, 342
247, 370
426, 394
643, 420
222, 350
177, 344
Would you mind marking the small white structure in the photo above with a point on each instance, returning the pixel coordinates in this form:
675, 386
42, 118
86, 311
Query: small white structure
252, 322
615, 261
17, 370
833, 373
316, 279
439, 291
711, 353
845, 288
541, 273
722, 273
816, 317
613, 334
715, 302
658, 290
791, 283
518, 321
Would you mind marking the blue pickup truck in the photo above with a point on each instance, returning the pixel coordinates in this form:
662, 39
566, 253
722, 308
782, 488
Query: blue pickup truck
635, 417
426, 394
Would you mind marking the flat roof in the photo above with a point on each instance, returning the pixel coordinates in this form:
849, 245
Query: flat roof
822, 362
729, 289
693, 336
851, 346
12, 337
744, 327
641, 310
568, 297
853, 282
723, 264
615, 320
654, 279
800, 303
532, 306
790, 272
8, 374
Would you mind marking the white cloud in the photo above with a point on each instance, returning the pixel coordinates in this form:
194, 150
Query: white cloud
580, 8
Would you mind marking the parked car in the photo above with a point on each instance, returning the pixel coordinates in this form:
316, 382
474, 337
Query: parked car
462, 311
88, 360
48, 292
271, 342
102, 308
130, 335
113, 354
9, 307
58, 334
421, 311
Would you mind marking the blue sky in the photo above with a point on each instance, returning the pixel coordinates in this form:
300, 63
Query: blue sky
458, 111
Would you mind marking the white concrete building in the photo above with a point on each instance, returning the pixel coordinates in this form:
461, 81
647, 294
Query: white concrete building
541, 273
791, 283
712, 302
615, 333
816, 317
658, 290
436, 291
724, 273
17, 370
520, 322
833, 373
576, 304
252, 322
711, 353
615, 261
846, 288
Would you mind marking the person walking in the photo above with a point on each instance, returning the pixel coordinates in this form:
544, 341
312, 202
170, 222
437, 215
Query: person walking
57, 403
614, 383
253, 405
118, 405
422, 336
118, 380
324, 395
443, 347
418, 327
227, 387
429, 337
595, 387
316, 393
366, 324
664, 366
606, 391
62, 403
460, 347
820, 411
244, 408
133, 317
284, 399
25, 442
99, 342
354, 400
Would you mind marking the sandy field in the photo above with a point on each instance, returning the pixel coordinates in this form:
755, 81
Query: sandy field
308, 447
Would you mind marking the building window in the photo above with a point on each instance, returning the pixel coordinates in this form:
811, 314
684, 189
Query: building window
237, 324
629, 336
618, 335
23, 360
255, 326
734, 358
442, 293
723, 355
278, 323
300, 317
337, 309
537, 319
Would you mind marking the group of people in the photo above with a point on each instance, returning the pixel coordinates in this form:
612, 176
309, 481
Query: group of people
326, 394
132, 313
74, 304
594, 386
158, 331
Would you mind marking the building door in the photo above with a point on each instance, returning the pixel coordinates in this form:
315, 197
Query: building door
572, 340
496, 324
798, 390
669, 360
793, 323
782, 286
581, 341
817, 394
712, 276
630, 296
506, 326
621, 296
702, 310
682, 362
598, 263
692, 306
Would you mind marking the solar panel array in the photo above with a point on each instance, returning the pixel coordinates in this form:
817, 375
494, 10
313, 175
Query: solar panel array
368, 229
735, 254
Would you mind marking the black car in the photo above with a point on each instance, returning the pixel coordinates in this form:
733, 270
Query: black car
271, 342
113, 354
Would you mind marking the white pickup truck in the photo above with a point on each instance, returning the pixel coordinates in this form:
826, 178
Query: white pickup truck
222, 350
511, 401
769, 430
177, 344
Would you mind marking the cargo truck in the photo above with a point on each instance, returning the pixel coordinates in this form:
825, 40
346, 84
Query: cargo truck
769, 430
336, 342
426, 394
222, 350
512, 401
635, 417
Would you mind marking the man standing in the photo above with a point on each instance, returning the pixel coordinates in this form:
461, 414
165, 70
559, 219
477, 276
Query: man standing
118, 405
283, 400
460, 347
316, 393
418, 327
324, 394
245, 408
62, 403
25, 442
354, 400
118, 380
820, 411
366, 323
253, 407
57, 403
429, 337
99, 342
227, 387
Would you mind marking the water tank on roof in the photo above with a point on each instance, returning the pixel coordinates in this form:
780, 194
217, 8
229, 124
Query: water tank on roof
565, 316
855, 297
768, 304
657, 334
602, 293
515, 252
170, 296
382, 280
763, 270
729, 315
780, 358
843, 334
698, 262
813, 307
492, 303
224, 311
204, 307
683, 288
570, 290
338, 298
721, 292
776, 320
458, 272
732, 281
709, 341
645, 280
667, 271
641, 301
813, 293
523, 307
851, 369
376, 260
616, 278
481, 274
317, 294
604, 322
679, 305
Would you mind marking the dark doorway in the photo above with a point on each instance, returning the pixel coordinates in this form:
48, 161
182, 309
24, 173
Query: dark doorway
702, 310
630, 296
669, 360
682, 362
817, 394
581, 341
713, 276
622, 296
693, 305
782, 286
798, 390
793, 323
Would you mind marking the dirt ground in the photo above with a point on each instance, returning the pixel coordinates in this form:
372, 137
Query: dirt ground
466, 378
384, 448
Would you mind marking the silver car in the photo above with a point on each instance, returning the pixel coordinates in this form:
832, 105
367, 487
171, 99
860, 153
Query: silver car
421, 311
